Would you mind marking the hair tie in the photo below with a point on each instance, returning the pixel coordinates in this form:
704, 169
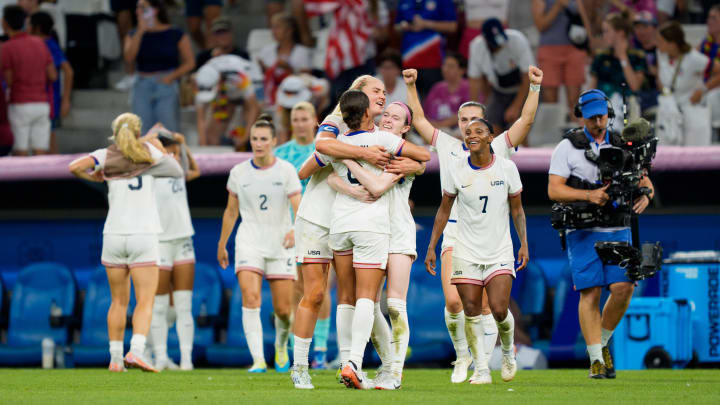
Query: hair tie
124, 125
408, 116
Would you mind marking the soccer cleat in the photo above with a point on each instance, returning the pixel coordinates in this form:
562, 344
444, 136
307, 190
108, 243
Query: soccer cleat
301, 378
116, 367
258, 367
460, 370
388, 381
481, 377
186, 366
282, 362
168, 364
381, 375
597, 370
319, 361
354, 378
133, 361
509, 367
338, 375
609, 366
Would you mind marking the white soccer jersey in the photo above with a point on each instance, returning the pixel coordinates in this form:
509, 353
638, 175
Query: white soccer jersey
401, 219
349, 214
263, 196
483, 234
132, 206
451, 150
171, 197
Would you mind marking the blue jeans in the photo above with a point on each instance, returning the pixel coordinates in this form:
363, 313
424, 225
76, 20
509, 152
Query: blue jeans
587, 268
154, 101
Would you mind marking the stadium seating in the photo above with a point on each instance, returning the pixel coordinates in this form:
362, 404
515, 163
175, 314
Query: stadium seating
39, 288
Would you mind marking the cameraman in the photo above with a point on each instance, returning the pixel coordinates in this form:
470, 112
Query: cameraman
588, 272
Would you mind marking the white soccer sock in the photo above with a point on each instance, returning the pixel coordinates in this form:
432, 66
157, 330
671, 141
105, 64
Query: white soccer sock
491, 333
137, 344
400, 333
506, 329
301, 348
595, 353
605, 336
282, 332
185, 325
475, 337
253, 333
343, 323
456, 328
380, 337
159, 328
116, 351
361, 329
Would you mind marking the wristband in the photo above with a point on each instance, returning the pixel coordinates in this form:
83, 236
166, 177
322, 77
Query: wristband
535, 87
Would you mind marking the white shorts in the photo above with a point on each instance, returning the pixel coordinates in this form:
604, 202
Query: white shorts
369, 249
311, 242
270, 268
402, 241
30, 124
175, 252
448, 241
465, 272
128, 251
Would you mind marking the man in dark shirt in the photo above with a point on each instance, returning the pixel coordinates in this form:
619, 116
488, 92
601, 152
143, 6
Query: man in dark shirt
221, 41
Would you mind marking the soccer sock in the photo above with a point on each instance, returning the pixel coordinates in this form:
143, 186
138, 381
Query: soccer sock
400, 333
253, 333
137, 344
491, 333
322, 330
381, 336
282, 332
116, 351
456, 327
595, 353
605, 336
159, 328
343, 324
184, 324
475, 337
361, 328
506, 329
300, 351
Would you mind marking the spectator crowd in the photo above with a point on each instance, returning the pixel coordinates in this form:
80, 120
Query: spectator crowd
635, 51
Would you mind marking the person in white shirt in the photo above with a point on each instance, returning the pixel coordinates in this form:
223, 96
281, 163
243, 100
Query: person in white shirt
487, 188
130, 234
177, 256
262, 190
451, 150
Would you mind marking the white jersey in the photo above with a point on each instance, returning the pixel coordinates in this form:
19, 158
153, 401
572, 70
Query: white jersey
263, 196
349, 214
483, 234
401, 219
171, 197
132, 206
451, 150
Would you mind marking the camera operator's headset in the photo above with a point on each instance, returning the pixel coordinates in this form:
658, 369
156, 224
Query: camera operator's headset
578, 107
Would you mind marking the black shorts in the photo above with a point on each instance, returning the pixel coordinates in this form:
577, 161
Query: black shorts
122, 5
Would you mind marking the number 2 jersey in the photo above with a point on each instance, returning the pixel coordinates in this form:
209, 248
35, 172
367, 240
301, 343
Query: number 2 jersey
263, 195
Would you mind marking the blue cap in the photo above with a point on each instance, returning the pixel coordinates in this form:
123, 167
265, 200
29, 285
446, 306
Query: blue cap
494, 33
593, 102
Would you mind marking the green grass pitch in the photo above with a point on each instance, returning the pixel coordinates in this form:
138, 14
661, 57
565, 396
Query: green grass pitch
420, 387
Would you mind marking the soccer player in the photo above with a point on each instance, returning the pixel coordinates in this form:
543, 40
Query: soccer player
487, 187
130, 234
450, 150
261, 190
177, 256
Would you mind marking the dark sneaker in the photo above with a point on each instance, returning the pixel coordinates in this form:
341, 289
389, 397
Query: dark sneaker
597, 370
609, 366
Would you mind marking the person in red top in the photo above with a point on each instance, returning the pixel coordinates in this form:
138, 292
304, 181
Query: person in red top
28, 68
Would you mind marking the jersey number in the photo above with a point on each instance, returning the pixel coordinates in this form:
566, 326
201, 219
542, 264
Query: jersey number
352, 179
138, 186
484, 198
263, 206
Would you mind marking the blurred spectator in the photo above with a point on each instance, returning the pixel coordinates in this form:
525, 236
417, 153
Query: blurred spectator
499, 62
223, 83
273, 7
223, 42
162, 55
710, 46
476, 12
28, 67
6, 136
422, 23
304, 123
666, 9
56, 14
562, 61
681, 71
632, 7
41, 25
124, 10
293, 90
286, 57
198, 12
645, 27
444, 100
389, 72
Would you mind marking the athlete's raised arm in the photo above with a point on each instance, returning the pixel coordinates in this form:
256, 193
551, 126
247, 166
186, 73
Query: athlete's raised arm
441, 219
521, 128
421, 124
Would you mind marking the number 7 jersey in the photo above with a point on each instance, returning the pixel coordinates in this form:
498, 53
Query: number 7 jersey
263, 195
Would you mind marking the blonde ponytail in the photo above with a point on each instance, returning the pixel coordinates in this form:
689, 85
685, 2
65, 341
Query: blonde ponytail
358, 84
126, 130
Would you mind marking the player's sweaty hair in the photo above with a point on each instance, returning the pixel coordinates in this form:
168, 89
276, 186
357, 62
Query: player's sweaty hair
126, 130
354, 104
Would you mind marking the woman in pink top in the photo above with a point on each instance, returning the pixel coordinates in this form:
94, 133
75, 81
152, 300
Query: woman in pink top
446, 96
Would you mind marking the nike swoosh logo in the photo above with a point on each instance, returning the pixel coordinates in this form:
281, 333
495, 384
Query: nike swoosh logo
466, 186
505, 264
245, 185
